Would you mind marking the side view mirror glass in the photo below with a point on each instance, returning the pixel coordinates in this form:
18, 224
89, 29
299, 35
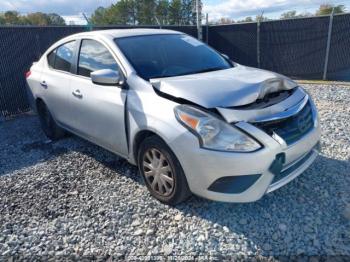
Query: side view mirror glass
106, 77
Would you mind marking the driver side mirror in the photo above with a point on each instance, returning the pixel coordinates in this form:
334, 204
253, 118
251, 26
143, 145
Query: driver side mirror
228, 59
107, 77
225, 56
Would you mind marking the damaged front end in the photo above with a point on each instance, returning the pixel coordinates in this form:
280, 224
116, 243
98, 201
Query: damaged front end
286, 120
252, 140
276, 105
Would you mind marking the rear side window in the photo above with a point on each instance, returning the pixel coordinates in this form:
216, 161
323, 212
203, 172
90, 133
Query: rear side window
51, 59
94, 56
62, 57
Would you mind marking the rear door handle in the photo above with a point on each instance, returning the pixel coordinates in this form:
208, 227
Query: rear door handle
77, 93
43, 84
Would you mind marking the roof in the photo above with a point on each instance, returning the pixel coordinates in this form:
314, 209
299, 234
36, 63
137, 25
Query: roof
116, 33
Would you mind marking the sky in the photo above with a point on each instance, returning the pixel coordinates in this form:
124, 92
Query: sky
71, 10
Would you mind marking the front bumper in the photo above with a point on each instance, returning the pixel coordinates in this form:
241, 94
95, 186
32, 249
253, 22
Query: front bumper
204, 167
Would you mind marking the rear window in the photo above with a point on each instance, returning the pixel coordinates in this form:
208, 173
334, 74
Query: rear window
51, 59
62, 57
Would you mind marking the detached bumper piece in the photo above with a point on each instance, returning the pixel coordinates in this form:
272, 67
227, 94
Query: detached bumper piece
287, 173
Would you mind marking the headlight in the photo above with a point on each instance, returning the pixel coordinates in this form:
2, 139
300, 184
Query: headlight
214, 133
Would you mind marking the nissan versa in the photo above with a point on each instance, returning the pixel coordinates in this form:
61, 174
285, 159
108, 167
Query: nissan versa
191, 119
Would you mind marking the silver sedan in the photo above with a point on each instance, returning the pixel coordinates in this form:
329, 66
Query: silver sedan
191, 119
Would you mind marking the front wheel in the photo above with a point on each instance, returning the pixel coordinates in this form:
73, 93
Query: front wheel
162, 172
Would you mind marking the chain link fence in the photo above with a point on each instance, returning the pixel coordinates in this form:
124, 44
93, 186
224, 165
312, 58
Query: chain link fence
295, 47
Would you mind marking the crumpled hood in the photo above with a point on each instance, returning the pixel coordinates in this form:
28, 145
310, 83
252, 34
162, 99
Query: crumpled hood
236, 86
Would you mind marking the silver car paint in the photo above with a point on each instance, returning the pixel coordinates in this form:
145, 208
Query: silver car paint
286, 108
113, 117
236, 86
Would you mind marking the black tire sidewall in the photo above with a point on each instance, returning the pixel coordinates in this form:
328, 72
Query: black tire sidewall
50, 128
46, 126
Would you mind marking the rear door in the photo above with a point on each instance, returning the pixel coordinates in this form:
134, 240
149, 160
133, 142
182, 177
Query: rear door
55, 82
98, 110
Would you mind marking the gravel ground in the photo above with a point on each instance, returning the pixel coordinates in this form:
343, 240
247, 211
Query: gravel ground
71, 199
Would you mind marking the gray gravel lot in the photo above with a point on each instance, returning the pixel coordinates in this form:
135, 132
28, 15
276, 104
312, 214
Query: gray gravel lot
71, 199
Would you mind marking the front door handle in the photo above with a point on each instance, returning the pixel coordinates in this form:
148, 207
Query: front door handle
43, 84
77, 93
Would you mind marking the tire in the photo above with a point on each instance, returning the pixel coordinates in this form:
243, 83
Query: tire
48, 124
170, 168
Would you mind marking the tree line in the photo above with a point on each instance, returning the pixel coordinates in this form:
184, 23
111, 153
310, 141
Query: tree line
147, 12
324, 9
38, 18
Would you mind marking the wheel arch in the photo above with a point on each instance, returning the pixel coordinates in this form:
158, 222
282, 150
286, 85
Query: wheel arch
139, 137
38, 101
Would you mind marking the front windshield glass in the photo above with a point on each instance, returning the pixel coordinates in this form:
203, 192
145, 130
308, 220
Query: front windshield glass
156, 56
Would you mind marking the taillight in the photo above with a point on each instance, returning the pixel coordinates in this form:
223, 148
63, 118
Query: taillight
28, 74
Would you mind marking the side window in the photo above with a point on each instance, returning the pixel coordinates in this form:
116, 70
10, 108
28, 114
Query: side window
94, 56
51, 59
64, 56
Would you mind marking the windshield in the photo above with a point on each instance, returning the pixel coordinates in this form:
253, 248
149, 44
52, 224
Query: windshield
156, 56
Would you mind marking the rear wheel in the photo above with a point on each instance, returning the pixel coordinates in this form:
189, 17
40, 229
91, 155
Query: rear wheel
48, 124
162, 172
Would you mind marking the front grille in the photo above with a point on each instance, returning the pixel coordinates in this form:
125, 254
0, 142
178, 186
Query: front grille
292, 128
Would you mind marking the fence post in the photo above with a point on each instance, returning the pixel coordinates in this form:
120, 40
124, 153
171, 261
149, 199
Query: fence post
258, 43
199, 19
329, 38
259, 19
207, 27
89, 24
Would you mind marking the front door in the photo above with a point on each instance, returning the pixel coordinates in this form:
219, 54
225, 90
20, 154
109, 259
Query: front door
98, 111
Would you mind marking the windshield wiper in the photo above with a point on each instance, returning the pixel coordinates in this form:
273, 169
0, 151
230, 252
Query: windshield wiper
193, 72
206, 70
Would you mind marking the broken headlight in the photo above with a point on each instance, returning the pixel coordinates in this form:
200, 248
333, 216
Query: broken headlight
214, 133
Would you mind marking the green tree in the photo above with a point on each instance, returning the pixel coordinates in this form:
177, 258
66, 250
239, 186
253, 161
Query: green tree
225, 21
162, 11
98, 17
262, 18
293, 14
146, 11
12, 18
289, 14
2, 19
123, 12
248, 19
175, 9
115, 14
326, 9
55, 19
37, 18
188, 12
